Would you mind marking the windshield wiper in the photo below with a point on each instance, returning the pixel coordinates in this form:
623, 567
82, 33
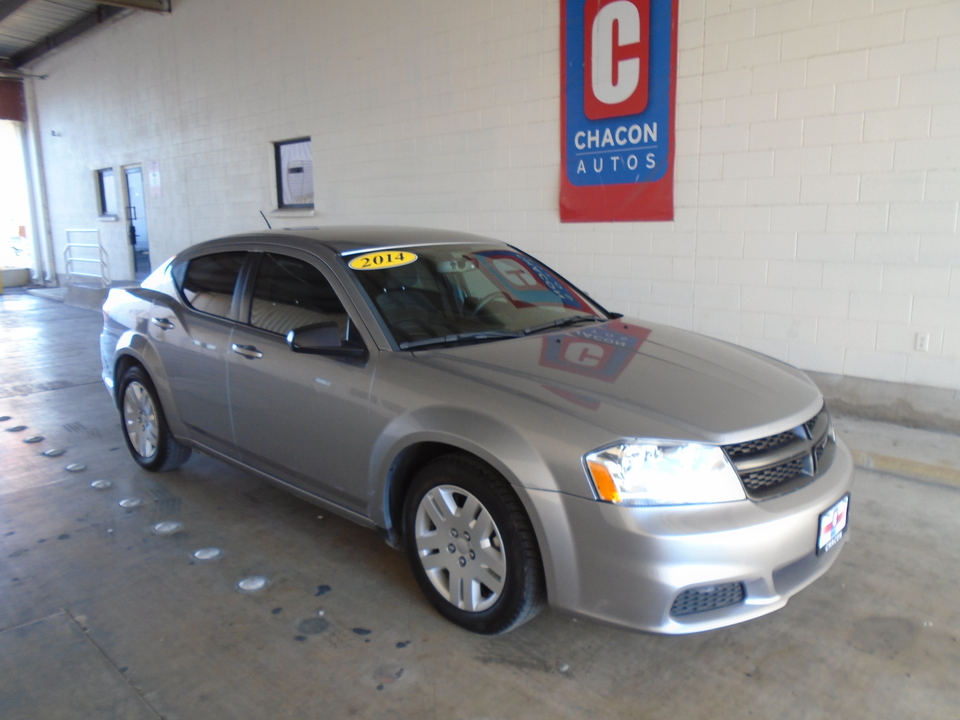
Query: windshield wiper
482, 335
460, 337
563, 322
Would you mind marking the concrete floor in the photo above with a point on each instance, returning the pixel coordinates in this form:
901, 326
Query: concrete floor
102, 617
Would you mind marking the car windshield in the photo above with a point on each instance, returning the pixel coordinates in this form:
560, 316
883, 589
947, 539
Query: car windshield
441, 294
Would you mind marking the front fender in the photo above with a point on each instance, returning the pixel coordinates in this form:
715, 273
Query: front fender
501, 446
489, 439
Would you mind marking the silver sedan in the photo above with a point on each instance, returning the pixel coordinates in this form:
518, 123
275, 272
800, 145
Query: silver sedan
518, 441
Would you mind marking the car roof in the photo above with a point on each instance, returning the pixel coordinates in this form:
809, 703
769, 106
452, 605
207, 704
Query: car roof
352, 239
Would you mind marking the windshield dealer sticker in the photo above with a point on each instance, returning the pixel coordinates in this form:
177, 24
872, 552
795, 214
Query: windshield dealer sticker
382, 260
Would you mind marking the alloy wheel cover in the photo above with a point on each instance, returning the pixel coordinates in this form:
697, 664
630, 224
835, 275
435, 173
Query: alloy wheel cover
140, 419
460, 548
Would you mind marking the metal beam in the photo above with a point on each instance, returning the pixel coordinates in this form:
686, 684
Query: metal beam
154, 5
9, 7
87, 22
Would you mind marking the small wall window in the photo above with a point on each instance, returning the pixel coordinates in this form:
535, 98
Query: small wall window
294, 161
107, 188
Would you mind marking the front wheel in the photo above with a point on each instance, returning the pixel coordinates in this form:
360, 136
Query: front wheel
145, 428
471, 546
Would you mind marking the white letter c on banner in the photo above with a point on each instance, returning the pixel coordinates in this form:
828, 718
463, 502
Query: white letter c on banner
627, 17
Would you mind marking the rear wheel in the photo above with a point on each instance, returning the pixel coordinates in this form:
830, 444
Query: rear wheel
145, 428
471, 546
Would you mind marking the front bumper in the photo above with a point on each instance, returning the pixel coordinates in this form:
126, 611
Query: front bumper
628, 565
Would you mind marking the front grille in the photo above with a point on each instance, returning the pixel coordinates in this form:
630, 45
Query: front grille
751, 447
784, 462
704, 599
761, 480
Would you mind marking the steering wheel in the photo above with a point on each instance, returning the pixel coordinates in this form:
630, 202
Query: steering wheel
487, 299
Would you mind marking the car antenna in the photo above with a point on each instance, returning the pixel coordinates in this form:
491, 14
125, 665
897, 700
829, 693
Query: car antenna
269, 227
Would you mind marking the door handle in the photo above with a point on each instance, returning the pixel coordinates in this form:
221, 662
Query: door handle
248, 351
162, 323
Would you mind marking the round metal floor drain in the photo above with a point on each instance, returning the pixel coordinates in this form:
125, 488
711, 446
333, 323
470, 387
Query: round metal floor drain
387, 675
253, 583
167, 527
208, 553
314, 626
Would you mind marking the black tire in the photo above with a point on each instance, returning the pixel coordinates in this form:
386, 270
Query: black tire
144, 425
501, 584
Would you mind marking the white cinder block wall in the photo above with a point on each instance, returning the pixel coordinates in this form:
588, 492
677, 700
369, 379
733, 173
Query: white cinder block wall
818, 153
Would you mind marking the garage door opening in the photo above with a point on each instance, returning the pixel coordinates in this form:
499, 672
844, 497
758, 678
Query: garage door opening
16, 248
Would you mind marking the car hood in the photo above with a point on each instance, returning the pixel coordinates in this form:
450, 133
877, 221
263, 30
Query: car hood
638, 379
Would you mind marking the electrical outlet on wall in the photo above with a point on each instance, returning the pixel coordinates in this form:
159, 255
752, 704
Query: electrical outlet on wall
923, 342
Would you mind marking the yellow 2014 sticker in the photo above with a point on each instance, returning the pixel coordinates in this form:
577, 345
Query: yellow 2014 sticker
383, 259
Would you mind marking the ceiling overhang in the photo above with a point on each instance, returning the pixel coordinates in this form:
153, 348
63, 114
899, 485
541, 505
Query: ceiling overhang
31, 28
154, 5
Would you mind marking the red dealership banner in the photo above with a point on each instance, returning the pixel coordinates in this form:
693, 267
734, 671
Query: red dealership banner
12, 105
618, 97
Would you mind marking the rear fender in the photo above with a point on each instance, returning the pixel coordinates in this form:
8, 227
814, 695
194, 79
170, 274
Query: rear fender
134, 346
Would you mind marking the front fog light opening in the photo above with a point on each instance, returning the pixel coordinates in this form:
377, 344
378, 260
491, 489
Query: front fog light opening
706, 598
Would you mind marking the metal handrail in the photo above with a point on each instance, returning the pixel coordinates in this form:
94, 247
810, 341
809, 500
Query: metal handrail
102, 260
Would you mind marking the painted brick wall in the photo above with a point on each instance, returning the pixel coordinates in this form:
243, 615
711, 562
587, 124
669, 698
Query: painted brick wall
818, 153
824, 172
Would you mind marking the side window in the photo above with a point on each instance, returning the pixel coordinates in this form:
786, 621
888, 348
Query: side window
209, 281
294, 167
290, 293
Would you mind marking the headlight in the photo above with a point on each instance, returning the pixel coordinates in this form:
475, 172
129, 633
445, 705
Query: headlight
654, 474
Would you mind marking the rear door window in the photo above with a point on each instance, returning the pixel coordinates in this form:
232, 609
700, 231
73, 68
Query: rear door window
209, 282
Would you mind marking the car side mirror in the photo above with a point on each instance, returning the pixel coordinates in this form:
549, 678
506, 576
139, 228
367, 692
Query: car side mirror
324, 339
